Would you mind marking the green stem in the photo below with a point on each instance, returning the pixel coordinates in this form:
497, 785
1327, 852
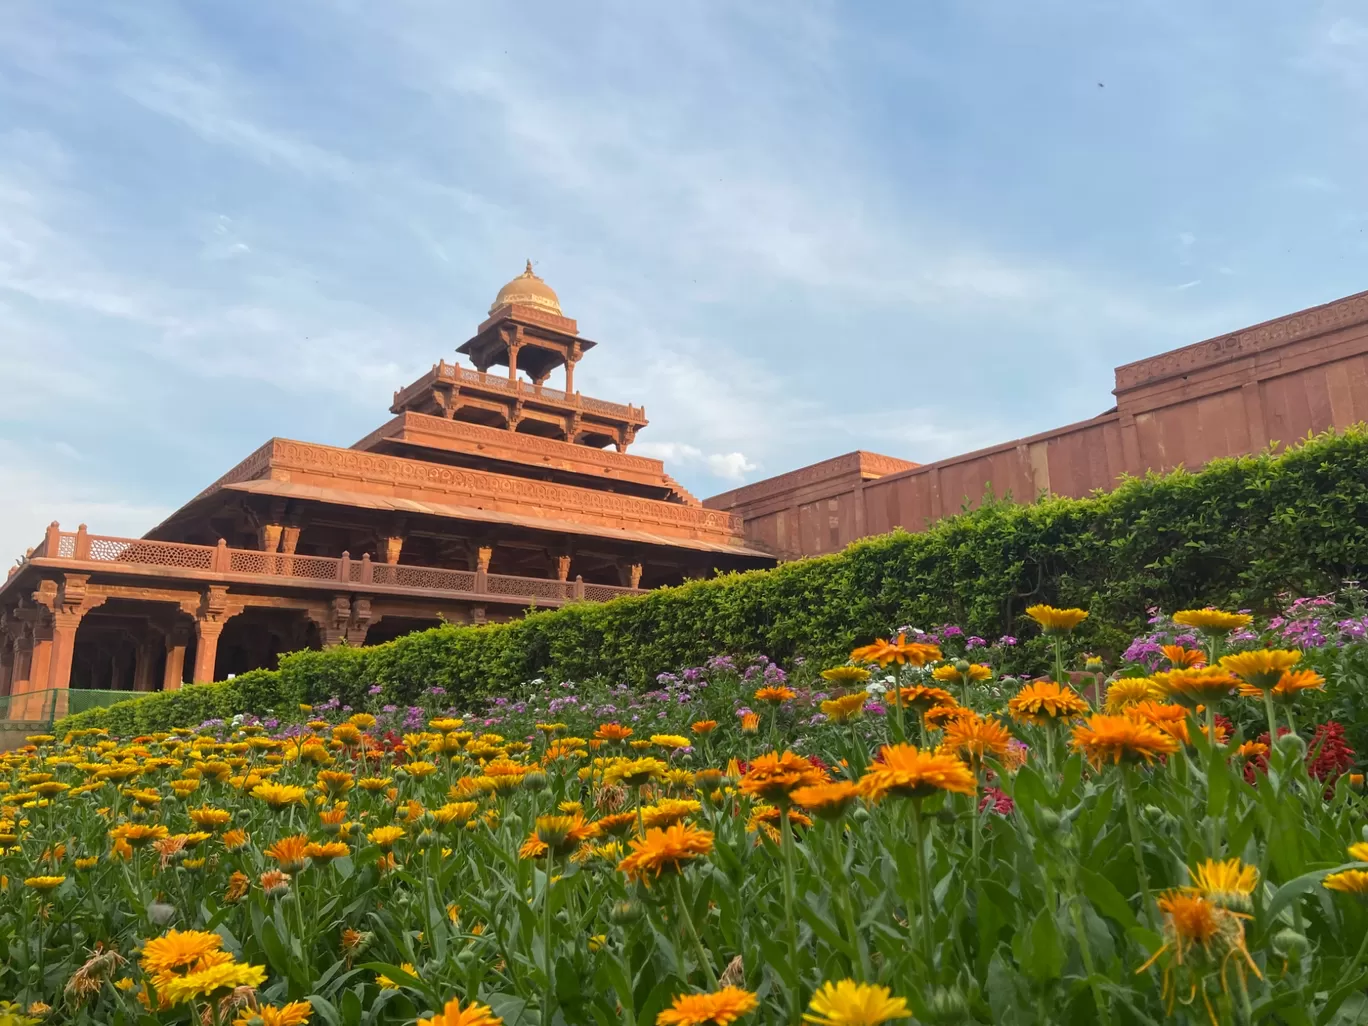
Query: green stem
1085, 949
860, 967
790, 900
1213, 827
923, 885
703, 959
1128, 798
550, 991
1272, 718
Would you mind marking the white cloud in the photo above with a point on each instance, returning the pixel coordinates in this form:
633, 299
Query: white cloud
728, 466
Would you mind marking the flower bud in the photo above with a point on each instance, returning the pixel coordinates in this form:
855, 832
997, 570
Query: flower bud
1289, 943
1292, 746
534, 780
947, 1007
625, 913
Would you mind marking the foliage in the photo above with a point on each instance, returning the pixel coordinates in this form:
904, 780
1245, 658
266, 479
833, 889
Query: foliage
1239, 533
1036, 884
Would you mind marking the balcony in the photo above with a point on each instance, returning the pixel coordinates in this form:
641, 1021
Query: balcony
477, 381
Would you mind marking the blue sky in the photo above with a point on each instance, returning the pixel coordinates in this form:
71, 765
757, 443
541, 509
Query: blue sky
795, 229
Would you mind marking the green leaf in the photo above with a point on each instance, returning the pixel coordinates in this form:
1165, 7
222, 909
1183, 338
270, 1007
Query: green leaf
1040, 950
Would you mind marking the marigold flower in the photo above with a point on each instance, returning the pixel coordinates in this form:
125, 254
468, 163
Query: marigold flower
665, 851
1213, 621
826, 801
750, 722
846, 676
616, 823
773, 775
44, 883
385, 837
473, 1014
374, 784
845, 708
178, 949
1044, 701
949, 673
1194, 687
899, 651
289, 852
612, 732
939, 715
1205, 940
716, 1009
274, 882
974, 738
209, 982
322, 854
668, 811
1348, 881
1261, 667
703, 727
139, 835
238, 884
296, 1013
1056, 621
1359, 852
210, 818
1227, 884
1291, 684
347, 733
280, 796
922, 698
335, 782
1127, 691
1171, 719
456, 814
848, 1003
775, 694
1181, 658
670, 740
634, 772
1252, 750
908, 772
1119, 739
235, 840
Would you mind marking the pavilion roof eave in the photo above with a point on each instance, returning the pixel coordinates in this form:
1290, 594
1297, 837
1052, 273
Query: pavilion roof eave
340, 497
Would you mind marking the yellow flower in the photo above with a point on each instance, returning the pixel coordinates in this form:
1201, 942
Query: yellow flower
280, 796
210, 818
1213, 621
668, 811
846, 676
949, 673
1348, 881
1119, 738
385, 837
716, 1009
773, 775
1056, 621
750, 722
1194, 687
473, 1014
235, 840
670, 740
848, 1003
1181, 658
335, 782
908, 772
1205, 940
44, 883
1227, 884
662, 851
1044, 701
845, 708
1127, 691
178, 949
1261, 667
385, 982
634, 772
289, 852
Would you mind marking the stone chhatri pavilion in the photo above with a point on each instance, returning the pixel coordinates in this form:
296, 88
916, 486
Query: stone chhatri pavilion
486, 493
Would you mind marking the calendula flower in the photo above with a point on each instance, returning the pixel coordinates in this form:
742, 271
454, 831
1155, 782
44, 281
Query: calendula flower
949, 673
210, 982
750, 722
899, 651
456, 814
665, 851
44, 883
280, 796
1194, 687
1359, 852
473, 1014
635, 772
612, 732
1204, 940
1252, 750
322, 854
374, 785
845, 708
238, 884
670, 741
209, 818
974, 738
177, 950
385, 837
335, 782
1181, 658
1171, 719
1348, 881
139, 835
848, 1003
296, 1013
1227, 884
615, 824
716, 1009
1056, 621
773, 775
275, 883
1261, 667
1291, 684
1045, 701
668, 811
703, 727
908, 772
1127, 691
775, 694
562, 834
938, 716
846, 676
235, 840
289, 852
1213, 621
826, 801
1118, 739
921, 698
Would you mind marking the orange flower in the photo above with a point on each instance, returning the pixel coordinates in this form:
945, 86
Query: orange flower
473, 1014
775, 694
908, 772
1171, 719
1192, 688
612, 732
826, 801
900, 651
665, 851
1252, 750
1289, 686
296, 1013
1044, 701
750, 722
773, 775
922, 698
938, 716
716, 1009
275, 883
1119, 738
973, 737
289, 852
1181, 658
703, 727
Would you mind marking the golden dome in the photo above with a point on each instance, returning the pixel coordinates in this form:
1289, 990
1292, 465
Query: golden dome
528, 290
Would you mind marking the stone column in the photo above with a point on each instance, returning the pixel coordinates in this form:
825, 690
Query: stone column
23, 661
6, 664
630, 575
393, 546
563, 567
359, 623
513, 348
268, 536
485, 553
215, 609
332, 624
177, 640
70, 604
145, 662
40, 663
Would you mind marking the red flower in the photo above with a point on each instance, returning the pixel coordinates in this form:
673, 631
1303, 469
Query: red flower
1327, 757
1002, 804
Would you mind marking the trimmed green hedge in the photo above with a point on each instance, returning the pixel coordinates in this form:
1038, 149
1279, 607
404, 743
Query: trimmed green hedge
1237, 534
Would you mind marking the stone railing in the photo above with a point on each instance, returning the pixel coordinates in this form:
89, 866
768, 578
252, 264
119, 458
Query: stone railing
444, 371
220, 560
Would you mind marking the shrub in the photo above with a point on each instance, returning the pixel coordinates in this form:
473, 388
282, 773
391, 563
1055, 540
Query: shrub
1237, 534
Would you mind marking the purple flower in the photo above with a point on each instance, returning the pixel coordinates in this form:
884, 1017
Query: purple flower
1006, 641
436, 691
951, 631
974, 641
374, 689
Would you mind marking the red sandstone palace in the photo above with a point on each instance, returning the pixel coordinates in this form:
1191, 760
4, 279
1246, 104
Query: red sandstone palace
490, 493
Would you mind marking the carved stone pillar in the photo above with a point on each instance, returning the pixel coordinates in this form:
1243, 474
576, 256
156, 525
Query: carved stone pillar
68, 604
631, 575
23, 660
268, 536
359, 622
571, 359
40, 662
333, 620
145, 662
484, 554
6, 664
177, 640
513, 348
563, 567
393, 546
214, 610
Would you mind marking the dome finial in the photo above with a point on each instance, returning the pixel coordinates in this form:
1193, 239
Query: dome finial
528, 290
528, 271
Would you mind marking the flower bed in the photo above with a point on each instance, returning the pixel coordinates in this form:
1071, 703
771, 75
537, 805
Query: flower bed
911, 833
